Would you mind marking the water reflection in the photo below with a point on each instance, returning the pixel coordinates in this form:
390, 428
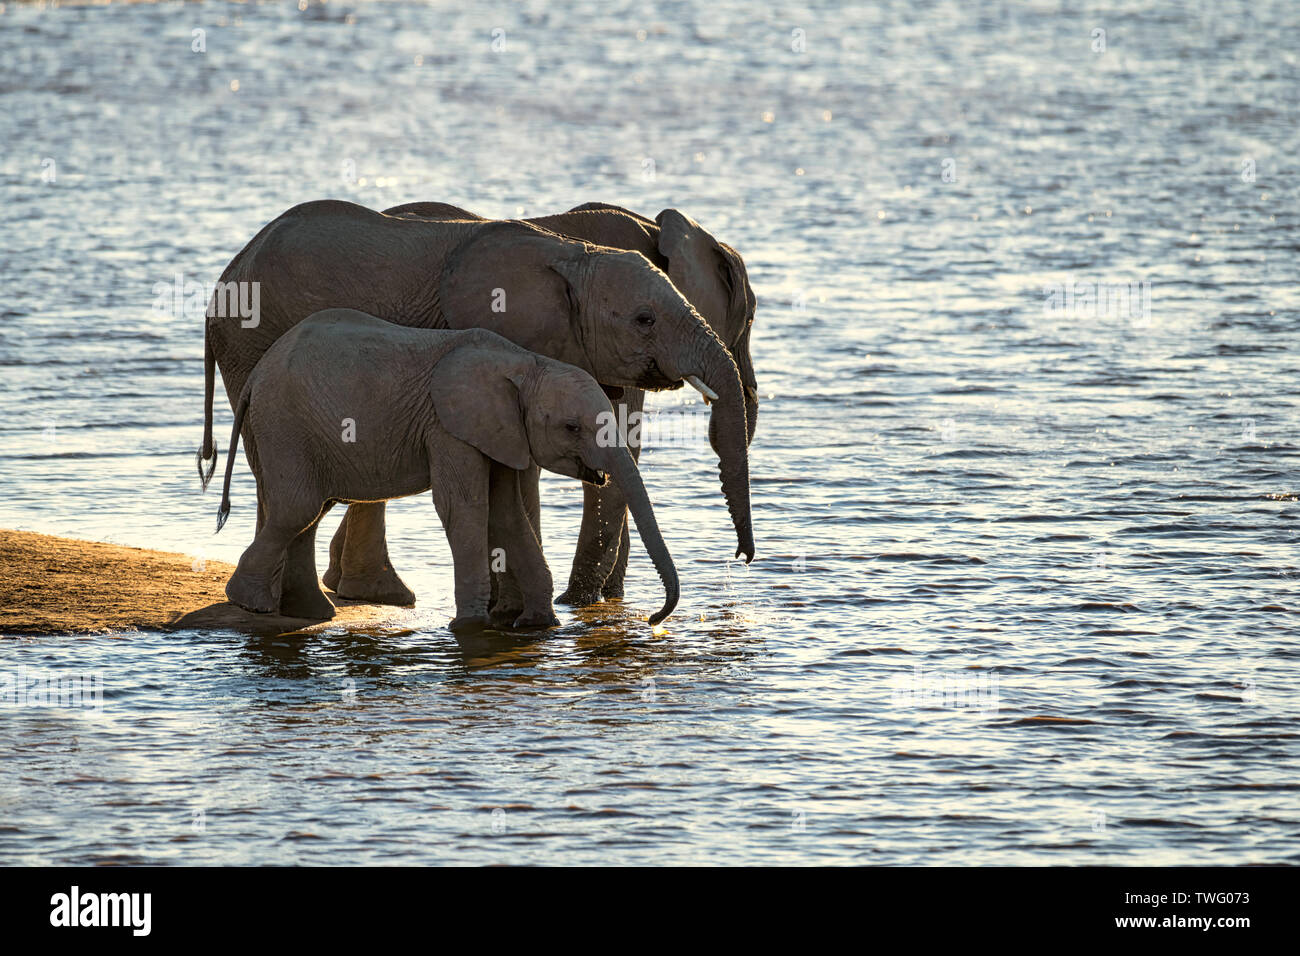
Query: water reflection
947, 473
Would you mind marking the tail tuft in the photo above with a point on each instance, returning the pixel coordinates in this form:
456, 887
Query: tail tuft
211, 461
222, 514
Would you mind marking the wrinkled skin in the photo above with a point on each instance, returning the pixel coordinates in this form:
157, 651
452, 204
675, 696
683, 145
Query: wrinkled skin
458, 413
712, 277
609, 312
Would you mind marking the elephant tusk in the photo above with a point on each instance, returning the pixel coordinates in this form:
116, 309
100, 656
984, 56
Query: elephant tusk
709, 394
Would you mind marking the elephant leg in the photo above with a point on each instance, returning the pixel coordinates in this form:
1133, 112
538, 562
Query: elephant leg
334, 571
528, 483
598, 542
526, 585
257, 583
300, 594
613, 586
515, 496
249, 444
507, 600
506, 597
494, 583
462, 505
367, 574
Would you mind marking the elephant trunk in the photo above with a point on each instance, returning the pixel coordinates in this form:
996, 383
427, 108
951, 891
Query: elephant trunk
751, 412
729, 434
624, 472
745, 365
751, 420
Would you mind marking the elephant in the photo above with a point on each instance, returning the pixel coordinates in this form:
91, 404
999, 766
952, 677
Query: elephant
449, 409
609, 312
713, 278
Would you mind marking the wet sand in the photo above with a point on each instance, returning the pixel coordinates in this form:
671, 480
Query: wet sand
52, 585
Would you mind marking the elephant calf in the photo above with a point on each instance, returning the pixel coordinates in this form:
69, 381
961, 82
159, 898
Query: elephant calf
458, 412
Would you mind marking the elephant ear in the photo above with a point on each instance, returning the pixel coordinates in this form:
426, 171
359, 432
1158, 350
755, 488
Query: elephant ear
571, 266
740, 312
677, 233
703, 272
478, 401
494, 269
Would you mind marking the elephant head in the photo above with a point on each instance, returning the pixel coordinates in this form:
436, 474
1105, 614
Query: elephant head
524, 408
611, 313
712, 276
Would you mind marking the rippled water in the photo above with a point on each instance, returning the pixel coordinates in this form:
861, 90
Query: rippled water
1026, 585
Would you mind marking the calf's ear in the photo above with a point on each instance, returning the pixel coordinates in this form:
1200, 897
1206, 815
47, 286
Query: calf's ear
476, 400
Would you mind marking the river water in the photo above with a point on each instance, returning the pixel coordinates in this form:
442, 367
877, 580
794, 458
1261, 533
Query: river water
1026, 585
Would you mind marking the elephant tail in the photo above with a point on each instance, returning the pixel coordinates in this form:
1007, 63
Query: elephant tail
224, 511
207, 453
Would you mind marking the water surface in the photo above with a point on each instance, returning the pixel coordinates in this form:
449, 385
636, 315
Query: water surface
1026, 581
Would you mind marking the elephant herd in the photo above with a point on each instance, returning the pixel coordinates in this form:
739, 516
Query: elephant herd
428, 349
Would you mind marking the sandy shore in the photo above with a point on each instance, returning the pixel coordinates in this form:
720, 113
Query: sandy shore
51, 585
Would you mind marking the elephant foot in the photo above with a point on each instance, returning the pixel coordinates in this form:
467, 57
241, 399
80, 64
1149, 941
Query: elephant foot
332, 577
250, 594
464, 624
311, 604
578, 597
383, 587
536, 619
612, 590
502, 616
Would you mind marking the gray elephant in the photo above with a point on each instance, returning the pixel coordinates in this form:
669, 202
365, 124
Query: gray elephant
713, 278
609, 312
447, 409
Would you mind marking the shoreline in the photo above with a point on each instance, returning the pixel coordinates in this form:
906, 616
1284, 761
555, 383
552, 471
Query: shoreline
55, 585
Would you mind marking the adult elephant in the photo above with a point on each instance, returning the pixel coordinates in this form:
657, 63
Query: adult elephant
607, 311
712, 276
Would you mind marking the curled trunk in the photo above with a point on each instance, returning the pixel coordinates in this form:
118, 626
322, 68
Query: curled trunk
624, 472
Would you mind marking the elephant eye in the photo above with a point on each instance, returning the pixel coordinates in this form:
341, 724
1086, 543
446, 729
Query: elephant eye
645, 319
572, 428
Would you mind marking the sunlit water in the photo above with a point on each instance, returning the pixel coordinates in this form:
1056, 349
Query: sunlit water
972, 511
